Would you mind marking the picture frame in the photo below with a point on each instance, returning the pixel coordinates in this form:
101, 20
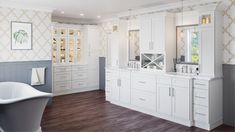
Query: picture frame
21, 35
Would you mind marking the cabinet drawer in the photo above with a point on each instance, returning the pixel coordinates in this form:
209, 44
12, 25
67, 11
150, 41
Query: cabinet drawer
143, 100
181, 82
109, 73
144, 82
201, 113
108, 83
200, 97
78, 84
77, 76
59, 69
164, 80
66, 76
201, 84
60, 86
79, 68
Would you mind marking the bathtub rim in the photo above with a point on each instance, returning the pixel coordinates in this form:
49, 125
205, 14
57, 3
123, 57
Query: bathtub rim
40, 94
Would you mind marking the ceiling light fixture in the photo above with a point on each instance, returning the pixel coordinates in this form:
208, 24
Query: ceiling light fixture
98, 16
62, 12
81, 14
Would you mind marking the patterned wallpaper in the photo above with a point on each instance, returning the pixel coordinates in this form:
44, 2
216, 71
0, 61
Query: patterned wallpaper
229, 32
41, 44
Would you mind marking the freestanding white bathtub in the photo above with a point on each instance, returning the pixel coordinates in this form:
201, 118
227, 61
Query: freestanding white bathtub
21, 107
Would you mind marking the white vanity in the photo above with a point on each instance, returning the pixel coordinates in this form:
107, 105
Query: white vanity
188, 99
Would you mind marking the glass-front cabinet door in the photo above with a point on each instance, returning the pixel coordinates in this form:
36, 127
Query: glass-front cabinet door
66, 45
78, 43
62, 50
71, 45
54, 50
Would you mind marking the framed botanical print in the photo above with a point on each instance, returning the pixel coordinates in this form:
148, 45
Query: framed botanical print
21, 36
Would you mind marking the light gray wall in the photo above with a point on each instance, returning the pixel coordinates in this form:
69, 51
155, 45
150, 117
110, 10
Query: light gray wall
21, 72
229, 94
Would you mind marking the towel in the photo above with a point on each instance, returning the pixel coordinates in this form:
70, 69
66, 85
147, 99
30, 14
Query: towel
38, 76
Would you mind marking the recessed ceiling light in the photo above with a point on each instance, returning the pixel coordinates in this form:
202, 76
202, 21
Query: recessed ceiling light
62, 12
98, 16
81, 14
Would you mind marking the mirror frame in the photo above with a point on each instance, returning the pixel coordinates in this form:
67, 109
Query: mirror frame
129, 58
181, 26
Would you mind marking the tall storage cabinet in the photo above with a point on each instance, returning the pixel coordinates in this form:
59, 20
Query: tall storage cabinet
75, 55
92, 53
211, 44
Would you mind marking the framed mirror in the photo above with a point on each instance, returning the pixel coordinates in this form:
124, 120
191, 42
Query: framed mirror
188, 45
134, 46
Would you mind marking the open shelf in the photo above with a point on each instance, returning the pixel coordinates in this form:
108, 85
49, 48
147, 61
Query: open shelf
152, 61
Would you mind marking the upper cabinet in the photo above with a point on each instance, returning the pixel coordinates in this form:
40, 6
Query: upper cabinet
154, 31
157, 38
66, 45
211, 40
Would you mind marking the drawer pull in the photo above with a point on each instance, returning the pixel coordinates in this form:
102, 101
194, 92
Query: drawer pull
200, 84
200, 114
142, 82
142, 99
169, 91
200, 97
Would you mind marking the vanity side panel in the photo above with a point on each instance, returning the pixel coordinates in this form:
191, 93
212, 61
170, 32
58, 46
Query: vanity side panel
216, 102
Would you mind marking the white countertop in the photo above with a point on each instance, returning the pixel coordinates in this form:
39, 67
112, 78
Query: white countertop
185, 75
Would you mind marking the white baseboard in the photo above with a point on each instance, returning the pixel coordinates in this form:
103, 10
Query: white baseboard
208, 126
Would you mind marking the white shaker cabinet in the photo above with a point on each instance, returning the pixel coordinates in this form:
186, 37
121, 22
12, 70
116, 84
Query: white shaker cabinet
164, 99
92, 55
207, 52
143, 91
118, 85
174, 99
146, 34
207, 103
125, 86
157, 31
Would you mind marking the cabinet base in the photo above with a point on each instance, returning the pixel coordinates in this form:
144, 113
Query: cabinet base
208, 126
153, 113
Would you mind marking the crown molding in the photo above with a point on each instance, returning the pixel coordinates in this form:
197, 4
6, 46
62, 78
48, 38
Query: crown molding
25, 6
165, 7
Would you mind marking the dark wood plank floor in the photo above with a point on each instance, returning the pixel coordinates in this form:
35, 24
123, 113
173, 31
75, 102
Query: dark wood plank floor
89, 112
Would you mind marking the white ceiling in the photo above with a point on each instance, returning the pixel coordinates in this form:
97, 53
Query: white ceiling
90, 8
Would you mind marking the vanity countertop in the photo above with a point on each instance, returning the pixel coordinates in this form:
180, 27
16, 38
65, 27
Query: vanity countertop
176, 74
